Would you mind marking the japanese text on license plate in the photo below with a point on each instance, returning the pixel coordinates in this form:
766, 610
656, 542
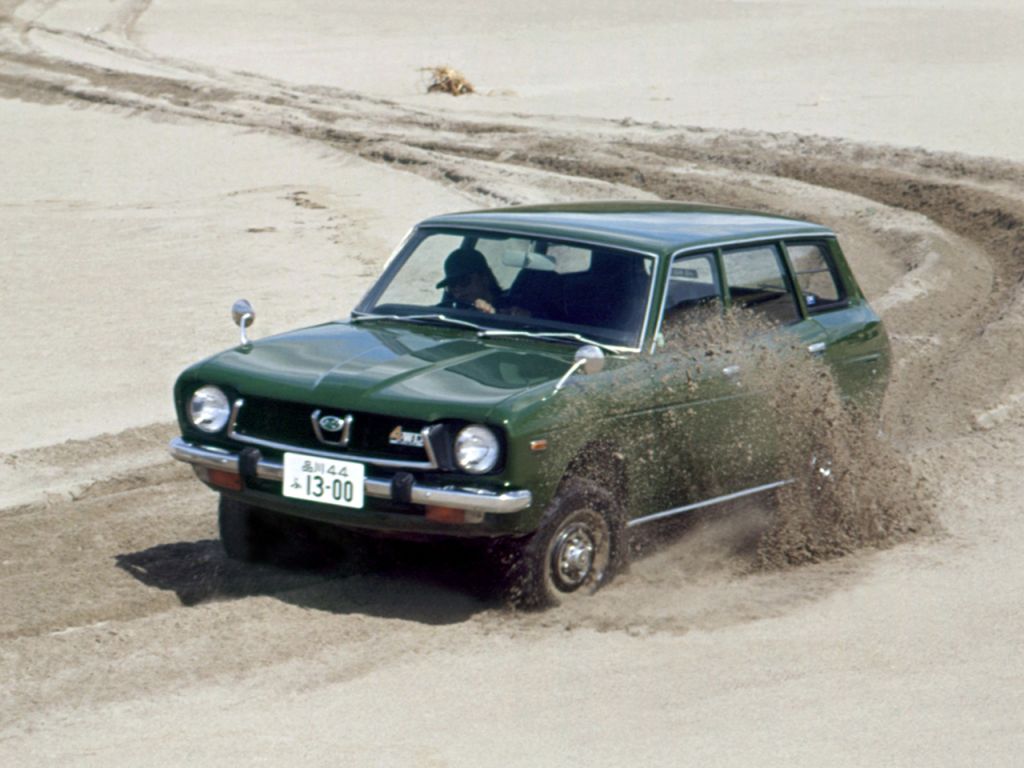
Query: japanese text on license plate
328, 481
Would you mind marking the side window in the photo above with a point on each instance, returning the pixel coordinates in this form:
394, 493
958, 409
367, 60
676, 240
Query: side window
692, 282
813, 272
758, 281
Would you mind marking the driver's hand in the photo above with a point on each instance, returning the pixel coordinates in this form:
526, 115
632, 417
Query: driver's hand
484, 306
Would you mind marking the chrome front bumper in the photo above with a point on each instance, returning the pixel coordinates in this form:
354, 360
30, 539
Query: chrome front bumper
468, 499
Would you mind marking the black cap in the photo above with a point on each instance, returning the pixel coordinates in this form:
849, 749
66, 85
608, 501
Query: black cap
462, 262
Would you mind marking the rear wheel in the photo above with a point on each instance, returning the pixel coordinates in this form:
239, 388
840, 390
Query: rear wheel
573, 553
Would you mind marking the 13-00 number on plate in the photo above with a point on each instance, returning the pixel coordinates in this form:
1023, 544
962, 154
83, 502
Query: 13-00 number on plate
328, 481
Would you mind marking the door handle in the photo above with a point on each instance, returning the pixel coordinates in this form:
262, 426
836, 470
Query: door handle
817, 348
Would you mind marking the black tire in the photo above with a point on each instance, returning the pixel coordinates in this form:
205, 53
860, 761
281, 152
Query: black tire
244, 531
575, 551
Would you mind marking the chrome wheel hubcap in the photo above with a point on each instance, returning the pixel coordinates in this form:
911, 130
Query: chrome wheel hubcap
572, 557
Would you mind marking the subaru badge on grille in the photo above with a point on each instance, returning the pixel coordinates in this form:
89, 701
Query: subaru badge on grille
331, 429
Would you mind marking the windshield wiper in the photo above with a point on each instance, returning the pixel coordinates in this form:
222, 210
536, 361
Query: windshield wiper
562, 336
431, 318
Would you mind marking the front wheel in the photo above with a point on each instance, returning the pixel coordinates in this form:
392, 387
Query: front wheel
572, 554
244, 531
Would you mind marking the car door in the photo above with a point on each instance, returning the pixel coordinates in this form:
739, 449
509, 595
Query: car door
711, 434
690, 389
758, 280
715, 433
854, 342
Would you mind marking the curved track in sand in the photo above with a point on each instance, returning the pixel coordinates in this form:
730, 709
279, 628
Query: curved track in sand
125, 635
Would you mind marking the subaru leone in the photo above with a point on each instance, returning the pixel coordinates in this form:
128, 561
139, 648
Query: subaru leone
482, 388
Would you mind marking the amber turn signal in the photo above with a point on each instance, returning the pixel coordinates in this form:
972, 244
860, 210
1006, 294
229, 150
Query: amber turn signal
231, 481
446, 515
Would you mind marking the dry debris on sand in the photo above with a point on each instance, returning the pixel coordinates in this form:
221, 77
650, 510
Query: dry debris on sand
445, 79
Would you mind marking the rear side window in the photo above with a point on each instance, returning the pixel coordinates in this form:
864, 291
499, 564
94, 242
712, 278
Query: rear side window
692, 281
813, 271
758, 281
692, 284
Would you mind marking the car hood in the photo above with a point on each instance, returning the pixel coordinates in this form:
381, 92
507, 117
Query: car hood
425, 372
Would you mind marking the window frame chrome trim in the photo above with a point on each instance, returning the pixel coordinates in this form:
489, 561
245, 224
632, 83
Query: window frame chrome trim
716, 248
830, 266
387, 265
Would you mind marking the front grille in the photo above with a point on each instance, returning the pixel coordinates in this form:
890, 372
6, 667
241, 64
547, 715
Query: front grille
290, 423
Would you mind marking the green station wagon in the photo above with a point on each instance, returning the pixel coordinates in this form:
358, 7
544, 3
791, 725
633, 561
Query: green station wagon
486, 386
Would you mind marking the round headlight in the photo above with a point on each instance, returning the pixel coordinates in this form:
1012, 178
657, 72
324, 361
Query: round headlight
476, 449
209, 409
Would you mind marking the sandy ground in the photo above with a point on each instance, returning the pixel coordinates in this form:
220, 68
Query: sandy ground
916, 72
162, 159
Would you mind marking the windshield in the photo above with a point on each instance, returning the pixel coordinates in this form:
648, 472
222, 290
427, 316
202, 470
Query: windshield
522, 283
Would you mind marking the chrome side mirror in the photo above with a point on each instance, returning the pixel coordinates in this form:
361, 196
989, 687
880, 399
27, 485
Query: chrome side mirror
590, 358
244, 315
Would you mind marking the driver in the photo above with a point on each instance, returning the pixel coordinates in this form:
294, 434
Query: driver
469, 282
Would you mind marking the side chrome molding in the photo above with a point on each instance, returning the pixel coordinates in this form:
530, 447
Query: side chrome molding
706, 503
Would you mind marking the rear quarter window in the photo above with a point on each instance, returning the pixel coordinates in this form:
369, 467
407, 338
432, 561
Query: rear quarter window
816, 275
692, 281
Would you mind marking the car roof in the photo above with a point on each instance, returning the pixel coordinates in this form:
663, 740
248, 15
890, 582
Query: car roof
662, 227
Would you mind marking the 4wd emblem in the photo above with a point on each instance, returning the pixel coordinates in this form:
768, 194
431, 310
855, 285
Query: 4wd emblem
399, 436
331, 424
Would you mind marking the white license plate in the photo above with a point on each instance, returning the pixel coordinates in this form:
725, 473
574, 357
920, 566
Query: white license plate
328, 481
